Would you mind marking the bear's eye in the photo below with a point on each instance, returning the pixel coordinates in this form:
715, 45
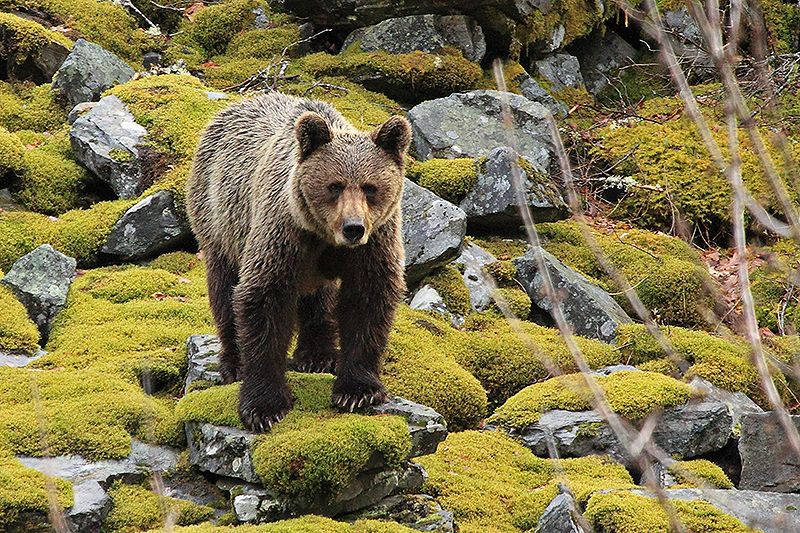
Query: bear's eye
335, 189
369, 189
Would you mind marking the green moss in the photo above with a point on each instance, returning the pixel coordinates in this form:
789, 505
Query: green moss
502, 249
517, 300
450, 285
450, 179
408, 77
294, 461
632, 395
18, 333
505, 363
723, 362
24, 38
104, 23
24, 490
176, 262
700, 473
666, 273
625, 512
24, 106
578, 18
215, 26
772, 285
782, 23
504, 272
12, 153
263, 43
492, 483
419, 366
135, 508
304, 524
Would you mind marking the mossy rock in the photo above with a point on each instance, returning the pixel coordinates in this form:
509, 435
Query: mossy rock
18, 333
723, 362
104, 23
25, 106
24, 490
700, 473
450, 285
451, 179
626, 512
304, 524
492, 483
12, 153
296, 462
772, 285
23, 38
136, 508
408, 77
630, 394
665, 272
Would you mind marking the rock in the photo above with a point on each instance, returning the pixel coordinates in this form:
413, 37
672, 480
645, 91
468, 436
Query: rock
739, 404
561, 515
8, 202
561, 71
19, 360
531, 90
203, 352
696, 428
769, 462
150, 227
428, 299
106, 140
433, 230
600, 56
417, 511
493, 205
769, 512
91, 505
221, 450
215, 95
426, 427
78, 111
472, 260
261, 21
151, 59
41, 280
445, 127
88, 71
427, 33
39, 65
688, 42
589, 310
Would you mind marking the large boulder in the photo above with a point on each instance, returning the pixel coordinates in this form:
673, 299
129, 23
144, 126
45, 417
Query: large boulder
446, 127
41, 281
433, 230
427, 33
88, 71
493, 203
601, 55
769, 462
106, 140
589, 310
153, 226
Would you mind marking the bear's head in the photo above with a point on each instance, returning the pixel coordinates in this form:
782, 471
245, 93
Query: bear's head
349, 183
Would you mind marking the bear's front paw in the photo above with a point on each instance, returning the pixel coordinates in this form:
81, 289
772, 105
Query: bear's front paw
356, 393
259, 411
305, 361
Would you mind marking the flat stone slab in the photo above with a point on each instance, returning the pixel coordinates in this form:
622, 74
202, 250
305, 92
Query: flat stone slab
768, 460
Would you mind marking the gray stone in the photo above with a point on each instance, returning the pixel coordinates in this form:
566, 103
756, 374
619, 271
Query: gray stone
151, 59
769, 462
600, 56
428, 299
739, 404
561, 71
560, 516
91, 505
426, 427
433, 230
589, 310
215, 95
769, 512
221, 450
427, 33
493, 203
150, 227
261, 21
446, 127
696, 428
79, 110
19, 360
203, 365
688, 44
472, 261
531, 90
40, 280
106, 140
417, 511
88, 71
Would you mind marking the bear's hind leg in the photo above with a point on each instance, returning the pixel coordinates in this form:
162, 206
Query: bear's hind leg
317, 337
222, 276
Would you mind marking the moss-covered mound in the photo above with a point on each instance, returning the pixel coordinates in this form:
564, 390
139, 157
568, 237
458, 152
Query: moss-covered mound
700, 473
407, 77
420, 366
450, 179
18, 333
24, 106
304, 524
23, 39
773, 285
492, 483
631, 394
24, 490
135, 508
665, 271
450, 285
293, 461
625, 512
723, 362
105, 23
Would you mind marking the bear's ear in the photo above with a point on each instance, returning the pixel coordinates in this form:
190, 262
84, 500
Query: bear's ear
312, 132
394, 136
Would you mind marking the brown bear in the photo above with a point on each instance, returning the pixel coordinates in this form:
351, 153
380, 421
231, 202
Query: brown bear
298, 216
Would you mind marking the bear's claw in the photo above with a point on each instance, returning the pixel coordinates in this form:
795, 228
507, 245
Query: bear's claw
315, 367
350, 402
255, 421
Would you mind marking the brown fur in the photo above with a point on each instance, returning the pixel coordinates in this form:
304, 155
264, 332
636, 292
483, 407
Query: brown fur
298, 214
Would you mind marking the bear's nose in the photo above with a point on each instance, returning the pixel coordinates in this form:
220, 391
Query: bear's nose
353, 229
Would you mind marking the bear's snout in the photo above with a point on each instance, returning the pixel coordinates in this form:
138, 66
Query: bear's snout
353, 230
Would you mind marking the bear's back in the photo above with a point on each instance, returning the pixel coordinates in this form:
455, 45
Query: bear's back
245, 156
